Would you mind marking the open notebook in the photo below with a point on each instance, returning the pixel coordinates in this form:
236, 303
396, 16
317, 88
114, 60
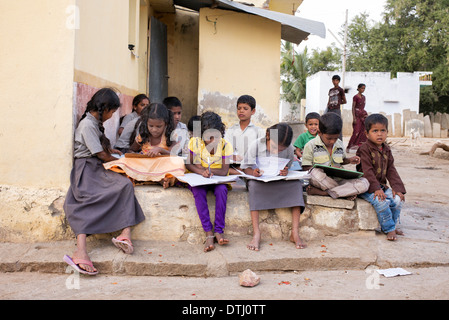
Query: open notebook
339, 172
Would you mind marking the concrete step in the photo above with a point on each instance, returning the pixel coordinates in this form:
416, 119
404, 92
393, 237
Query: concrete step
353, 251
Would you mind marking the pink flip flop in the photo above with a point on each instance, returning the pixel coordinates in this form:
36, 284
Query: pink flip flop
126, 246
74, 263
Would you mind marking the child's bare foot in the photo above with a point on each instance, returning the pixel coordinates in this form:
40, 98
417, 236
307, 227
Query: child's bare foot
209, 244
220, 239
255, 242
316, 191
297, 241
399, 232
167, 182
392, 236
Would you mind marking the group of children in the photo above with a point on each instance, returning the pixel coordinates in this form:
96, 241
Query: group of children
101, 195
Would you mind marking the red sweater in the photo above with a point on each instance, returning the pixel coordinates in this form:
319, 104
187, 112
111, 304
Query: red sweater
378, 167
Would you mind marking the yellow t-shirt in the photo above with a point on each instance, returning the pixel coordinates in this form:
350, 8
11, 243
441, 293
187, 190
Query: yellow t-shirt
201, 155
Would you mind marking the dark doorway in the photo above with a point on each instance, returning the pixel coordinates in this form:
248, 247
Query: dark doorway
158, 75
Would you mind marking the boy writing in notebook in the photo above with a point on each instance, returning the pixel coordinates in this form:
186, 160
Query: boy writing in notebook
243, 133
377, 165
328, 150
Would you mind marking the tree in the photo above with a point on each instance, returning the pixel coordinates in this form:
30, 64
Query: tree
413, 36
294, 72
325, 60
296, 67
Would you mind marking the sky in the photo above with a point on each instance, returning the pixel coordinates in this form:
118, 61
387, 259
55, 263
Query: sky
333, 13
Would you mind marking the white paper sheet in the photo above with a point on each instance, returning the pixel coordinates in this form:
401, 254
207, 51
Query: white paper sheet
393, 272
194, 179
271, 166
118, 156
292, 175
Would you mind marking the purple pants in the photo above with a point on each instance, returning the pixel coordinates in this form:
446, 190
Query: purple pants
221, 197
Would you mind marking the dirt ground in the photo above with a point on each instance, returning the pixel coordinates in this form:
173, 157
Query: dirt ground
426, 180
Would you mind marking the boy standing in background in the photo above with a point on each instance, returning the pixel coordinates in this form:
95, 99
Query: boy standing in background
337, 97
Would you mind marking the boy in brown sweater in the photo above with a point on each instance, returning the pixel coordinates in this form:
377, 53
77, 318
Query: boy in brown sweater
377, 165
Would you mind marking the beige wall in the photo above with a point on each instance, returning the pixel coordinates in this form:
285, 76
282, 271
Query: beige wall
102, 57
36, 82
284, 6
239, 54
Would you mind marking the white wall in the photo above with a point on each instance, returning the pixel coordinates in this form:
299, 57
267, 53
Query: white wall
383, 94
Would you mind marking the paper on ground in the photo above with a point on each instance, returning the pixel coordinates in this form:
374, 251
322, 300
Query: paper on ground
393, 272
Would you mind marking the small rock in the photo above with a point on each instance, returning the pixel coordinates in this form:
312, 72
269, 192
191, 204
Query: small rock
248, 278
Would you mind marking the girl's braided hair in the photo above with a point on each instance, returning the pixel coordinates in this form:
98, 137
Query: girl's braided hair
105, 99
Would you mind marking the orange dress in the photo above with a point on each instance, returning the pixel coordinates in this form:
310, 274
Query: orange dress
143, 168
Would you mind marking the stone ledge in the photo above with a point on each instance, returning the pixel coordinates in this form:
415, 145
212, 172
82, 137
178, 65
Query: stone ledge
36, 215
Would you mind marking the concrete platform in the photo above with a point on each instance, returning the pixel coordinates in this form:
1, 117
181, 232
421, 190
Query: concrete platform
29, 215
354, 251
339, 233
172, 216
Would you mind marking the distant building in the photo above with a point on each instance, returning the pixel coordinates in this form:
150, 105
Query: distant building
383, 93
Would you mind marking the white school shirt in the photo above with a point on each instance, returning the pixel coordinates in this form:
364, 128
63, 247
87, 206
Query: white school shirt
123, 140
129, 117
242, 139
181, 135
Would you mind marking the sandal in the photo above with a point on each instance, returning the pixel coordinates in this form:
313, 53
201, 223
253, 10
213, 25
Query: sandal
124, 244
75, 264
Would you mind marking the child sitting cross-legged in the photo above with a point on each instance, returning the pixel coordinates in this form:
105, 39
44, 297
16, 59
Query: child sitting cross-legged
328, 150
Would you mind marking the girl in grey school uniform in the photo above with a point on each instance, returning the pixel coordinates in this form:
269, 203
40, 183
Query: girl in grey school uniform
98, 200
274, 194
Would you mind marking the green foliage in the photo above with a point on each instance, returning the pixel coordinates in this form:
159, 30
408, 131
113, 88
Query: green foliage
297, 66
326, 60
294, 72
413, 36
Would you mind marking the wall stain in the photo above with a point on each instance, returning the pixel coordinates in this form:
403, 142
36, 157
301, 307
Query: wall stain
226, 106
